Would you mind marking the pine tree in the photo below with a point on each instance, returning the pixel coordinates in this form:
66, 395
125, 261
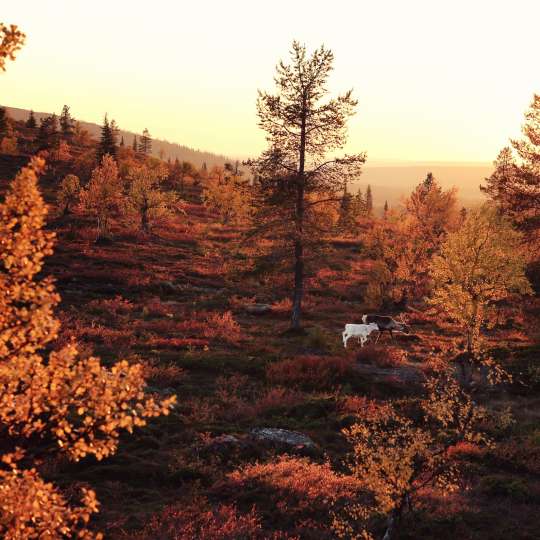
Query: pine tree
369, 201
122, 142
346, 210
66, 122
385, 209
359, 204
107, 144
135, 146
31, 122
48, 133
115, 131
145, 144
3, 122
296, 181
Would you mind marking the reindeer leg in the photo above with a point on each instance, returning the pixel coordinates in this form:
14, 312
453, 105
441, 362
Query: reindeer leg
391, 335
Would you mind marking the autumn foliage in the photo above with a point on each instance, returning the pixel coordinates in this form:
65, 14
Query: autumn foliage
76, 402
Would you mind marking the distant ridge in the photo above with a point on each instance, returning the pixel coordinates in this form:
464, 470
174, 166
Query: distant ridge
394, 182
390, 180
172, 150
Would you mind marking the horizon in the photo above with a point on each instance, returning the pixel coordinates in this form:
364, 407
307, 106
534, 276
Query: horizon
423, 95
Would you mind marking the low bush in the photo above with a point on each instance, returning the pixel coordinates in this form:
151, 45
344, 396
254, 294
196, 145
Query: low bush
112, 306
223, 327
199, 520
381, 356
310, 372
163, 375
504, 486
298, 490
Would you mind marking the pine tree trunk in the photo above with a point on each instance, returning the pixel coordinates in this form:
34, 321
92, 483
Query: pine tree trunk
299, 226
298, 284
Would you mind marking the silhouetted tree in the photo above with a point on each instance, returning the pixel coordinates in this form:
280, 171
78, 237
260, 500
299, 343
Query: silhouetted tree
3, 122
135, 146
369, 201
66, 122
346, 210
107, 143
294, 174
48, 132
145, 144
31, 122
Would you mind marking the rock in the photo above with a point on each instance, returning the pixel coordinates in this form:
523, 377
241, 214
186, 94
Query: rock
405, 374
283, 437
170, 287
258, 309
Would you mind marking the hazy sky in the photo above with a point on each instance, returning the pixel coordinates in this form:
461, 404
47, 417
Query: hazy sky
435, 79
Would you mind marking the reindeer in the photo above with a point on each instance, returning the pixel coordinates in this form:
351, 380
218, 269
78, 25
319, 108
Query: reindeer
386, 324
360, 331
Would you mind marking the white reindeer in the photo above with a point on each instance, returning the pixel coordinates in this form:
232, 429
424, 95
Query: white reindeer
360, 331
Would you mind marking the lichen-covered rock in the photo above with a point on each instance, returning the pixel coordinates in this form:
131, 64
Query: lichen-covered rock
285, 437
258, 309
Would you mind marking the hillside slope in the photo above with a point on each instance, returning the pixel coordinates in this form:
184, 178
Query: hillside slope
172, 150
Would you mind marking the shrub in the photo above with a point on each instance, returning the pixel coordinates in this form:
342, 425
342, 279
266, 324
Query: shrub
116, 305
310, 372
278, 398
166, 375
222, 326
466, 449
156, 308
504, 486
69, 193
103, 195
362, 406
381, 356
294, 486
198, 520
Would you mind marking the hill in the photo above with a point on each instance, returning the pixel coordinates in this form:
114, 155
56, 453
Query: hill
393, 182
172, 150
389, 182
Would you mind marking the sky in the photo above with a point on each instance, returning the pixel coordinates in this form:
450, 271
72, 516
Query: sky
436, 80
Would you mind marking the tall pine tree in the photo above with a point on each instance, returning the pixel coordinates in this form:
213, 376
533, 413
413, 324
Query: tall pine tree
515, 184
369, 201
296, 175
107, 144
66, 122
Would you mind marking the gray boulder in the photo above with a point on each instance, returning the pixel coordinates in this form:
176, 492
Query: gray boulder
283, 437
258, 309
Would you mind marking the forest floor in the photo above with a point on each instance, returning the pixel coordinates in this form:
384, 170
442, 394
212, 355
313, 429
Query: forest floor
161, 299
